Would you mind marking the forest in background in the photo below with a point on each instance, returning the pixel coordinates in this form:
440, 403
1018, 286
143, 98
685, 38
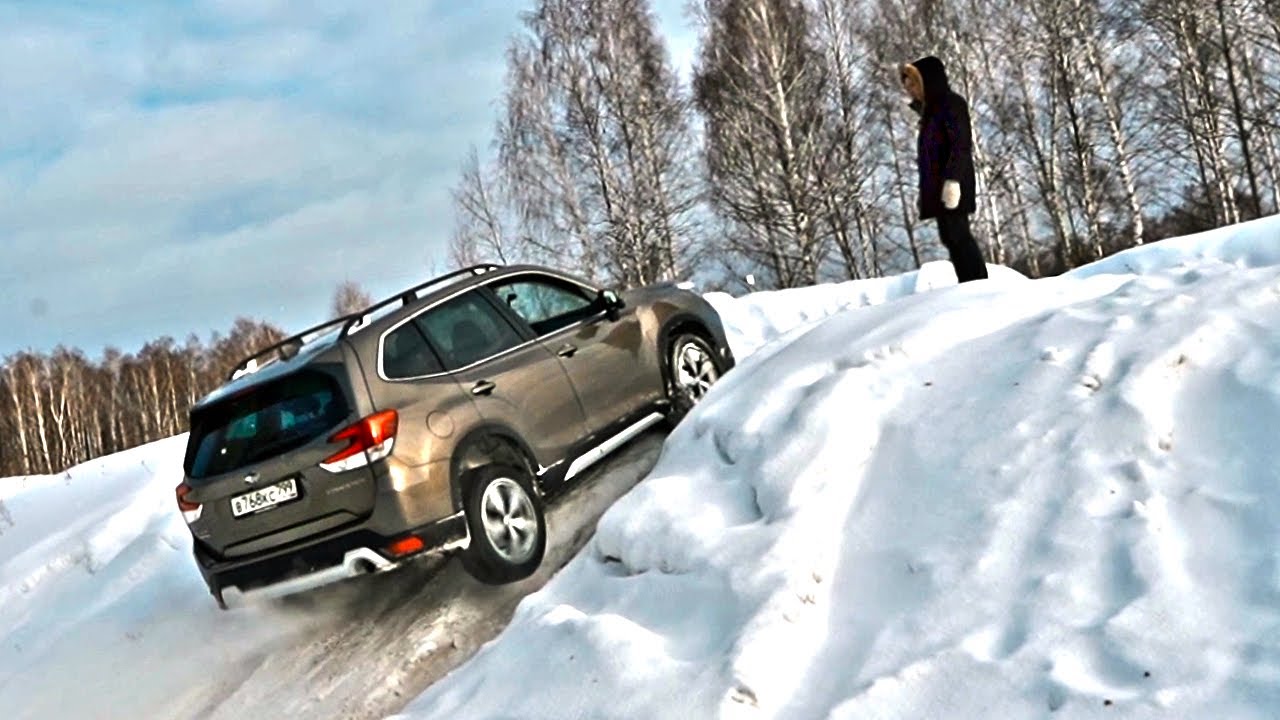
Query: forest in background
787, 156
62, 408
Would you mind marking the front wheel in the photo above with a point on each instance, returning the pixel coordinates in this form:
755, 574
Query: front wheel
507, 525
692, 368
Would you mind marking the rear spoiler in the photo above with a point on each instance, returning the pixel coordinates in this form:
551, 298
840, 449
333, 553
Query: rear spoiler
346, 324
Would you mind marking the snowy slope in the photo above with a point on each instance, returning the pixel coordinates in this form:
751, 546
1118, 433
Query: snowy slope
911, 500
760, 318
97, 585
103, 614
1007, 499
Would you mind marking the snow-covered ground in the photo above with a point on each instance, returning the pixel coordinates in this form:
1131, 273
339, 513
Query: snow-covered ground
1006, 499
103, 614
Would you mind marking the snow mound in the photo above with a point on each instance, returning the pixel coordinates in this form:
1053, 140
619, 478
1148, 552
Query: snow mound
1003, 499
761, 318
1252, 244
97, 583
912, 499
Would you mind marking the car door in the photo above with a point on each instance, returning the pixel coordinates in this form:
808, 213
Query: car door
601, 353
513, 380
416, 385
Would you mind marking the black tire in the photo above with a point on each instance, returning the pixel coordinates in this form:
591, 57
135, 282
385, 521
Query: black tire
681, 395
507, 495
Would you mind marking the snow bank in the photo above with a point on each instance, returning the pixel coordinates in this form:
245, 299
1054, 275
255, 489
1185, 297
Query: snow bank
760, 318
97, 583
1004, 499
1253, 244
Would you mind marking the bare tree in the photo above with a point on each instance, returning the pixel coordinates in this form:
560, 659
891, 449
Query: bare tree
59, 409
1227, 46
1090, 24
760, 86
1183, 30
17, 411
348, 298
595, 141
853, 197
480, 224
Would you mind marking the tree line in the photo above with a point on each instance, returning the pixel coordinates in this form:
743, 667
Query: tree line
61, 408
787, 155
790, 152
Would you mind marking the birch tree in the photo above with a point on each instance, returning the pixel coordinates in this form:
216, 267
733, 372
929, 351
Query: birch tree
596, 136
759, 85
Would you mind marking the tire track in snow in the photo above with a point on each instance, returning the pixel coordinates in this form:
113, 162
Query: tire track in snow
387, 637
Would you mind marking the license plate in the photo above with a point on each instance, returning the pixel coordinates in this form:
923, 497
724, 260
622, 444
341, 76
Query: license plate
263, 498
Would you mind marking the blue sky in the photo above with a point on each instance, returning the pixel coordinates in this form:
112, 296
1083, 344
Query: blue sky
168, 166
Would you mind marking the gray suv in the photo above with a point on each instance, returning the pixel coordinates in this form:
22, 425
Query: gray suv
440, 419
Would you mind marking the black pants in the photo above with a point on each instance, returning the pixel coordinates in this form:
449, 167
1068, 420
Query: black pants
966, 256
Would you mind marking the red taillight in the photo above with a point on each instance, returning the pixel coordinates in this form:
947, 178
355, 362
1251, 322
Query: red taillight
406, 545
369, 439
184, 504
190, 510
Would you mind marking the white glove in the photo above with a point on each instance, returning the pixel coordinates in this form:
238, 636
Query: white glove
951, 194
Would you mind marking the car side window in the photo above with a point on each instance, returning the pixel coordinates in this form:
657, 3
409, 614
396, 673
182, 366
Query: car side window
405, 354
547, 304
467, 329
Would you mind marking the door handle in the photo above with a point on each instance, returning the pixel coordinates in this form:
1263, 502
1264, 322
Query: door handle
567, 350
482, 387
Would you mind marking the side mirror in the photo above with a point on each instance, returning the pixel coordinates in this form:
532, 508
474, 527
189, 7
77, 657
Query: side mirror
611, 301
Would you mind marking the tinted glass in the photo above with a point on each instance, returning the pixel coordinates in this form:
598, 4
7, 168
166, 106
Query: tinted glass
405, 354
468, 329
268, 421
545, 303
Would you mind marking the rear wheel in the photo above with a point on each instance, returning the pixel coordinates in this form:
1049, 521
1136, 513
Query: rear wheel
507, 525
692, 368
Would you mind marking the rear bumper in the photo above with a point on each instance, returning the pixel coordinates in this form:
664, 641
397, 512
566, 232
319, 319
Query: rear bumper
321, 561
360, 561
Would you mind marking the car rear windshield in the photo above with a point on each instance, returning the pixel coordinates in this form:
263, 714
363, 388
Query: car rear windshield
265, 422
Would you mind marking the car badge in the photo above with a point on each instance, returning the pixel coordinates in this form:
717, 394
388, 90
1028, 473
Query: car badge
251, 478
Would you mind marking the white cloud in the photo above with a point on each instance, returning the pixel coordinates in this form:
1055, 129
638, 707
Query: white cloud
166, 168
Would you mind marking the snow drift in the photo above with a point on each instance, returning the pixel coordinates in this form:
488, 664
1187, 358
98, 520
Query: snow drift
98, 591
1004, 499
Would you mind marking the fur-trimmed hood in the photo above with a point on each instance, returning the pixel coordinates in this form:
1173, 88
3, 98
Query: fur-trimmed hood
931, 74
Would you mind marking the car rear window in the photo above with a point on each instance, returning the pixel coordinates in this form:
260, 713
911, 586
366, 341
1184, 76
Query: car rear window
268, 420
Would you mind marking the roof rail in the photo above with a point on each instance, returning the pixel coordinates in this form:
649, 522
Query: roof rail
356, 320
290, 346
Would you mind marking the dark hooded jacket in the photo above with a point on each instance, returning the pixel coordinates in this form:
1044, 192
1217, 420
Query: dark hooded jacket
944, 149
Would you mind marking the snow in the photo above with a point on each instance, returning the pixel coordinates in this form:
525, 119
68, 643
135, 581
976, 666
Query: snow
97, 587
1003, 499
1009, 498
763, 317
103, 614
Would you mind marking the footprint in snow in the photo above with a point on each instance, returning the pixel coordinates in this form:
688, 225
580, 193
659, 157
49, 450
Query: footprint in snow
744, 696
1052, 354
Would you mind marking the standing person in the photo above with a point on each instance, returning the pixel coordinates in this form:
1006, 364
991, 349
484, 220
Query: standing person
945, 161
